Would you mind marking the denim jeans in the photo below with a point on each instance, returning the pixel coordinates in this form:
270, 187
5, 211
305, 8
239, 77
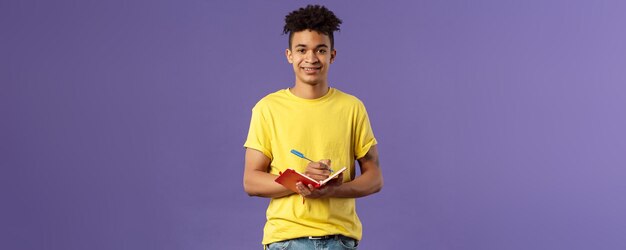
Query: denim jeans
335, 243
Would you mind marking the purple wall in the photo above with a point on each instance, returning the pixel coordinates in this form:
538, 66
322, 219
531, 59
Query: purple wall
501, 123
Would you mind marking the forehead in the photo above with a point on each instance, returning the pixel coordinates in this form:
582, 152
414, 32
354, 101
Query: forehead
309, 38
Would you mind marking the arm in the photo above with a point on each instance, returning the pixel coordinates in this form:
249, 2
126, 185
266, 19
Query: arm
256, 179
370, 181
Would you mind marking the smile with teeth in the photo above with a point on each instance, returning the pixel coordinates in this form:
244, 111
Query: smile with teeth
310, 69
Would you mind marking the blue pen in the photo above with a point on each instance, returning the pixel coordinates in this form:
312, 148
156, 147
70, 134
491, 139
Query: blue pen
301, 155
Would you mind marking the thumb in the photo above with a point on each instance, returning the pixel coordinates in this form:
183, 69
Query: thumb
338, 180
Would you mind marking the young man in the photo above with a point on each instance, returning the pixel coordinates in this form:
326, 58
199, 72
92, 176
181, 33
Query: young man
323, 123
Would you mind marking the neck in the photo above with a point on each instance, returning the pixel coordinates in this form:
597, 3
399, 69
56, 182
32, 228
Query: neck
308, 91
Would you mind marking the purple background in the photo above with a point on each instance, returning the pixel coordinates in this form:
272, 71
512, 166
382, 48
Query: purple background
501, 123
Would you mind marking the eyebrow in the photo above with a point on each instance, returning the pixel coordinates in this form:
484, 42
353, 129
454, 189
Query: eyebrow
318, 46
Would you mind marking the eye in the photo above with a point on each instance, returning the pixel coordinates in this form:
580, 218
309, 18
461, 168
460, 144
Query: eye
301, 51
322, 51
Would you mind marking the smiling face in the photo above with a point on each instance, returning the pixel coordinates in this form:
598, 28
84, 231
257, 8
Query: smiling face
311, 56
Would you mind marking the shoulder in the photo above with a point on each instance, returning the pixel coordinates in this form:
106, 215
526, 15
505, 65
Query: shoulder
348, 99
270, 100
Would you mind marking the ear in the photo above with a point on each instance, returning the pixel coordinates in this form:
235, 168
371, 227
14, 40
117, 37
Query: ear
289, 56
333, 54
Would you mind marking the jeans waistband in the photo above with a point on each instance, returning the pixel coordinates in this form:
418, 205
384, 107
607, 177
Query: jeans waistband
325, 237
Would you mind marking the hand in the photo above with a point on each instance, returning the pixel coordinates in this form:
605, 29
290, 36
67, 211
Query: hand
325, 191
319, 171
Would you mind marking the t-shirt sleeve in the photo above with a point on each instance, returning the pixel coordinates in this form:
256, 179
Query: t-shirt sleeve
364, 136
259, 134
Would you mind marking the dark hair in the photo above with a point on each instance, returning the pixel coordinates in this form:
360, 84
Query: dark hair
313, 17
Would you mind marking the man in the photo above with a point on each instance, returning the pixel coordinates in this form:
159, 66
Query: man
322, 123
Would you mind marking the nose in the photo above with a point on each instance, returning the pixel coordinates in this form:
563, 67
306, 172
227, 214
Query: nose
311, 57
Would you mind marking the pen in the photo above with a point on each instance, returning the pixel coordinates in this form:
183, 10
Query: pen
301, 155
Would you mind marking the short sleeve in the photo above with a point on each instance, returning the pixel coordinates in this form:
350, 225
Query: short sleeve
364, 135
259, 134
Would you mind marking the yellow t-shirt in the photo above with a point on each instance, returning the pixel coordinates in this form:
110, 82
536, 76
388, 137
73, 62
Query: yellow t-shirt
335, 127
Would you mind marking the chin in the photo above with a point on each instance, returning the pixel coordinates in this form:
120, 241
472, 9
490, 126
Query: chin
312, 82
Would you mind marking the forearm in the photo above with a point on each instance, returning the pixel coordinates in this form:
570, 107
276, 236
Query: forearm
257, 183
366, 184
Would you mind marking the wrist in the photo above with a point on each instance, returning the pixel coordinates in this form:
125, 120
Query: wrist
333, 192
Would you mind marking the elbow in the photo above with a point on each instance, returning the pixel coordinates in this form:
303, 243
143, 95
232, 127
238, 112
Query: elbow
248, 191
247, 187
377, 188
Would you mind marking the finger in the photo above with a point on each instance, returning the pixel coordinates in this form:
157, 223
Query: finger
317, 171
313, 192
337, 180
318, 177
303, 190
323, 174
325, 162
340, 178
300, 188
318, 165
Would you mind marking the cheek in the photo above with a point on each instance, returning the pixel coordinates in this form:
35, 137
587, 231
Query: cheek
297, 61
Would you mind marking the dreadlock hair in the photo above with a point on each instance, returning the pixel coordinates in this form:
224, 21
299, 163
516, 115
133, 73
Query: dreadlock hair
312, 17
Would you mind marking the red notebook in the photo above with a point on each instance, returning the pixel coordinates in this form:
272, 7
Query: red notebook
290, 177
